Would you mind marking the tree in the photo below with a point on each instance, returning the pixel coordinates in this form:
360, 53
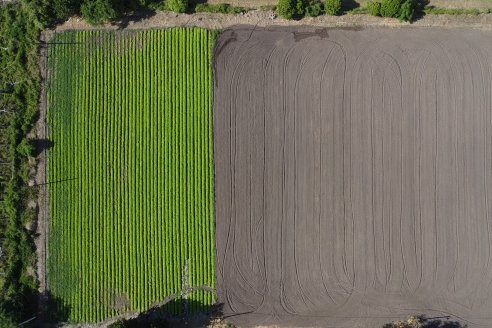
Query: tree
333, 7
286, 8
407, 10
178, 6
98, 11
314, 8
64, 9
374, 8
390, 8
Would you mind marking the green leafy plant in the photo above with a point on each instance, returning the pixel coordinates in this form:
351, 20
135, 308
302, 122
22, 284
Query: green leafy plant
407, 10
333, 7
178, 6
374, 8
390, 8
98, 11
287, 8
63, 9
314, 9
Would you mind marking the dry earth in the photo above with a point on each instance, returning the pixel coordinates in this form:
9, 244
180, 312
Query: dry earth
353, 175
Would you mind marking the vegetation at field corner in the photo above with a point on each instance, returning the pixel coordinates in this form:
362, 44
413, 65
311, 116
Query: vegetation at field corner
131, 171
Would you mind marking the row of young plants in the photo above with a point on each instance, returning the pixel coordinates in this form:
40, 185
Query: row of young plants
131, 170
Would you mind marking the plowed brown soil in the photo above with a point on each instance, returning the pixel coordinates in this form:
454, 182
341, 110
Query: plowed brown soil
353, 175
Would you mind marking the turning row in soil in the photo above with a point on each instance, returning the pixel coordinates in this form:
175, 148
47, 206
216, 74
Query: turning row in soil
353, 175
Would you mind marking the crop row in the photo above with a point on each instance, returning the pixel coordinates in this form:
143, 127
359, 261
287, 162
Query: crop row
130, 172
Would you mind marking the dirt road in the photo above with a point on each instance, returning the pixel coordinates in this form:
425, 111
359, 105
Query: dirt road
353, 175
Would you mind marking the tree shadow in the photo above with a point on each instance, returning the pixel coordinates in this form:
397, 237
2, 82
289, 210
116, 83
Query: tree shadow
176, 313
419, 11
441, 322
348, 5
426, 322
41, 145
193, 3
54, 311
136, 16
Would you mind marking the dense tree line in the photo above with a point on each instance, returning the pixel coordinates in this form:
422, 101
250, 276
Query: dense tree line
405, 10
20, 25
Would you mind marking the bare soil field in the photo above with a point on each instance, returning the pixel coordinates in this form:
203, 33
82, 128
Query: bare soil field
353, 175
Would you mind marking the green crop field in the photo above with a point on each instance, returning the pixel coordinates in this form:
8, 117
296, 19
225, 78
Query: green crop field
130, 172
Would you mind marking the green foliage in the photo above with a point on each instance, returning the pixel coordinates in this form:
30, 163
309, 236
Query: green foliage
300, 7
97, 12
287, 8
407, 10
390, 8
222, 8
431, 10
333, 7
25, 148
63, 9
374, 8
134, 192
178, 6
6, 321
20, 26
314, 8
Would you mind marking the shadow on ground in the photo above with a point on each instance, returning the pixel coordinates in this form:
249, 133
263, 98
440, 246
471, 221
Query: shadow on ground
348, 5
426, 322
135, 17
54, 311
41, 145
177, 313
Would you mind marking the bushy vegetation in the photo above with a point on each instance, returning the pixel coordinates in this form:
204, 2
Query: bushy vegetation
374, 8
390, 8
287, 8
296, 9
20, 26
98, 11
222, 8
178, 6
405, 10
314, 9
333, 7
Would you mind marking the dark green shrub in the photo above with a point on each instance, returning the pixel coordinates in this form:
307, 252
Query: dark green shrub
25, 148
374, 8
64, 9
287, 8
390, 8
300, 7
407, 10
333, 7
314, 9
178, 6
98, 11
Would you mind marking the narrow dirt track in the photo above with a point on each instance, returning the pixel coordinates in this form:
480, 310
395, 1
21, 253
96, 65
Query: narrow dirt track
353, 175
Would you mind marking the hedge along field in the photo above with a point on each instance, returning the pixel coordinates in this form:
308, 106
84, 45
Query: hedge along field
130, 172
